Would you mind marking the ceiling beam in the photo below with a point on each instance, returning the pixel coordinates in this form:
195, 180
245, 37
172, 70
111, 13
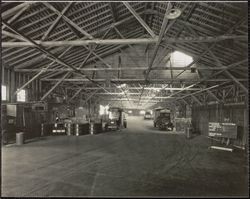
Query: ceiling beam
13, 10
17, 15
151, 80
112, 10
203, 90
48, 5
76, 93
196, 99
163, 31
141, 21
209, 77
138, 88
97, 56
54, 87
85, 60
213, 75
244, 88
229, 31
142, 41
218, 63
213, 95
115, 69
54, 24
50, 55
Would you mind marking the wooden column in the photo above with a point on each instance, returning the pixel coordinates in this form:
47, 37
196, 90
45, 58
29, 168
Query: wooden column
40, 88
3, 75
246, 126
36, 89
33, 87
12, 86
8, 84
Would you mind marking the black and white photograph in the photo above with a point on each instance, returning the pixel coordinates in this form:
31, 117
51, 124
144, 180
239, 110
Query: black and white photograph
124, 99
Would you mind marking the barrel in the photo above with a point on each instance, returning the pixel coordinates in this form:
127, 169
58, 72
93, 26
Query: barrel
69, 126
77, 129
42, 130
188, 132
91, 128
19, 138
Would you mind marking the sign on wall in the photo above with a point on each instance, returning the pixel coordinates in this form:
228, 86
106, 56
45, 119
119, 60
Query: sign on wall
224, 130
11, 110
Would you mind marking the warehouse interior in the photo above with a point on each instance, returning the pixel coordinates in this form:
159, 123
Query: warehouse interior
124, 99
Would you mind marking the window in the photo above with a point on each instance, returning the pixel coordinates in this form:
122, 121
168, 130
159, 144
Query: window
179, 59
21, 96
4, 93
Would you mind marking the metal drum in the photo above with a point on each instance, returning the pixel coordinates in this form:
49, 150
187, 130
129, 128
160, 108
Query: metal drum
20, 138
77, 129
188, 132
91, 128
42, 129
69, 130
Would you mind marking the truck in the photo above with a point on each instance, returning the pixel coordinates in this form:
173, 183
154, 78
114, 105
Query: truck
148, 115
162, 119
116, 119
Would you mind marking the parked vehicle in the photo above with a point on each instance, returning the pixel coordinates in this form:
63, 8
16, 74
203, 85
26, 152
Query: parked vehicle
162, 119
148, 115
116, 119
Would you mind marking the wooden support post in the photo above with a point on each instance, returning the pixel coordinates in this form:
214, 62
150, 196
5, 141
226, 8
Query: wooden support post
36, 89
39, 88
19, 80
245, 139
3, 75
33, 87
9, 85
12, 86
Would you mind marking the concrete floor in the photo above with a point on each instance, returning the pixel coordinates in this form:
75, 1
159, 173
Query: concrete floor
138, 161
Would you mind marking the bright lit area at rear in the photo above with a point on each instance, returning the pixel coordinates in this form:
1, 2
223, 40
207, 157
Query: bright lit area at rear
124, 99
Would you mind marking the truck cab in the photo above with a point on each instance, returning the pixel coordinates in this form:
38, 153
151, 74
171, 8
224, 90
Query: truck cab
116, 119
148, 115
162, 119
